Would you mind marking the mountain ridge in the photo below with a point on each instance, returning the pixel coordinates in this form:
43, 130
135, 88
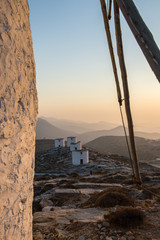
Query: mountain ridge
46, 130
79, 126
147, 150
117, 131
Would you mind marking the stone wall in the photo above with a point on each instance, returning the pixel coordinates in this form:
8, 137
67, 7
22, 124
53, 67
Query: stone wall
18, 116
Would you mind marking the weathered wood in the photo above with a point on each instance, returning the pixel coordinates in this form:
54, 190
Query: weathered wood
108, 34
110, 9
126, 91
142, 34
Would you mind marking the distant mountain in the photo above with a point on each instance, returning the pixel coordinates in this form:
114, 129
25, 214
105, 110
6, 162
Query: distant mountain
118, 131
147, 150
46, 130
78, 126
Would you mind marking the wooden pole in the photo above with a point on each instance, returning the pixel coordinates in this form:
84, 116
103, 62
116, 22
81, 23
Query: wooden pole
110, 9
142, 34
108, 34
126, 92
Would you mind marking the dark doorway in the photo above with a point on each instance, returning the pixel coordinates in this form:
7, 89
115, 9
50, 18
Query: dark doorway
81, 161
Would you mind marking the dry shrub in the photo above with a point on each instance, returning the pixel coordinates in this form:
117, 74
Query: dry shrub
126, 217
90, 202
110, 198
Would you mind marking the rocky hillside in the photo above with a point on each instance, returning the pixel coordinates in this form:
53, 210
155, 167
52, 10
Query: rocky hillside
71, 203
147, 150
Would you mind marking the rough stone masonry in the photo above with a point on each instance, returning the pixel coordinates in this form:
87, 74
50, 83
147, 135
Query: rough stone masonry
18, 116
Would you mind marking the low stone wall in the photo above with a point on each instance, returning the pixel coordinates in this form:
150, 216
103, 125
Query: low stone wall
18, 116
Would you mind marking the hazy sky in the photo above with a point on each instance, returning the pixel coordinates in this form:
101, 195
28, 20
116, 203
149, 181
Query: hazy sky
74, 72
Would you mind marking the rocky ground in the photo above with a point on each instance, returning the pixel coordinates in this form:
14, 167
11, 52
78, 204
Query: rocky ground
83, 202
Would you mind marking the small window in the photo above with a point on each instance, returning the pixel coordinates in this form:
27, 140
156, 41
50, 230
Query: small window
75, 148
81, 161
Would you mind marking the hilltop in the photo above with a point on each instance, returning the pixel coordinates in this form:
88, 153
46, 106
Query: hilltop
118, 131
147, 150
46, 130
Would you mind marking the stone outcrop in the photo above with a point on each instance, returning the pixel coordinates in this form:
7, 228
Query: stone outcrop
71, 203
18, 115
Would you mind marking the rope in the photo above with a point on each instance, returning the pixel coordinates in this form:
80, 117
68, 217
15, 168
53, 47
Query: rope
125, 132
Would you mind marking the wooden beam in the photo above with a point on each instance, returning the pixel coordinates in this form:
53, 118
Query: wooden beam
110, 45
135, 163
142, 34
110, 9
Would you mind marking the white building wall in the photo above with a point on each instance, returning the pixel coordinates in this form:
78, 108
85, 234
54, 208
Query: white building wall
80, 157
59, 142
71, 140
75, 146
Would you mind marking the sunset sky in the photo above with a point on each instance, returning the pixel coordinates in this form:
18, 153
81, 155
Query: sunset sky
74, 73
